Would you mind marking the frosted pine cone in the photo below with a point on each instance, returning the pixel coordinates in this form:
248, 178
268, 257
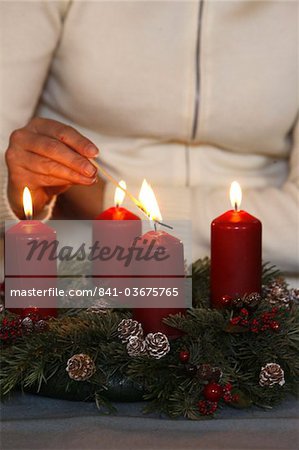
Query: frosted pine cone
207, 373
27, 325
128, 328
277, 294
294, 296
247, 301
252, 300
157, 345
271, 374
80, 367
136, 346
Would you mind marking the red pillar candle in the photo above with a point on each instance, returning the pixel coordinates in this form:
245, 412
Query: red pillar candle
114, 227
167, 273
34, 273
236, 243
165, 276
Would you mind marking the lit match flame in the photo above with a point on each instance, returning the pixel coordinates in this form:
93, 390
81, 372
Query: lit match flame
148, 200
119, 193
27, 203
235, 195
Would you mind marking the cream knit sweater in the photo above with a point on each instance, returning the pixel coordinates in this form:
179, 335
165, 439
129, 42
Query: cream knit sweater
189, 94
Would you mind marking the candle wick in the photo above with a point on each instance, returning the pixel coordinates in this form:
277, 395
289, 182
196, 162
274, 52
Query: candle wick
155, 226
236, 206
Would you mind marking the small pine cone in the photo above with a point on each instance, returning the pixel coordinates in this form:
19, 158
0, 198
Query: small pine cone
277, 294
157, 345
80, 367
271, 374
204, 372
237, 302
208, 373
27, 325
136, 346
40, 326
252, 300
216, 374
294, 296
128, 328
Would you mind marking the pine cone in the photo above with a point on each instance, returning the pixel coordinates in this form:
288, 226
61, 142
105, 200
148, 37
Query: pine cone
40, 326
204, 372
277, 294
80, 367
157, 345
271, 374
237, 302
252, 300
128, 328
136, 346
247, 301
294, 296
27, 325
208, 373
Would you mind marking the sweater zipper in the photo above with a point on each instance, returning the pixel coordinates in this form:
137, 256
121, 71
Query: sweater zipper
197, 91
197, 72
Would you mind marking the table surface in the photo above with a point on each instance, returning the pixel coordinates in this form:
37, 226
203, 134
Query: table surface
33, 422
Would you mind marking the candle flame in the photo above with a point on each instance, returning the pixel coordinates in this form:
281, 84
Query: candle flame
235, 195
148, 200
119, 193
27, 203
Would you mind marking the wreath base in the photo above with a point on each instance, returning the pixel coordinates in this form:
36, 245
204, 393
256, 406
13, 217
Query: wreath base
119, 389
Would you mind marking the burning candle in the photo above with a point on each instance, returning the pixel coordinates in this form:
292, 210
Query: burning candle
114, 227
117, 212
24, 273
236, 243
160, 273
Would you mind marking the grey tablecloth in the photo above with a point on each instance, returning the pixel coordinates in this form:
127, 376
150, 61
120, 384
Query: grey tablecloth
32, 422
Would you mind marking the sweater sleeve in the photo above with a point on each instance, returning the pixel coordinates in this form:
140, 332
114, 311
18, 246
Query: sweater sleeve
30, 33
277, 208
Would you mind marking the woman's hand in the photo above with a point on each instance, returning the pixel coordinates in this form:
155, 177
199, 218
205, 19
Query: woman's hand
48, 157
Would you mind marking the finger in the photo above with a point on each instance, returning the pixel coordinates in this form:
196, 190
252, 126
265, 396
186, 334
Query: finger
54, 150
42, 166
66, 134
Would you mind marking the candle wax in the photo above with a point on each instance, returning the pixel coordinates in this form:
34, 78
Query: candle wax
24, 273
236, 266
168, 273
114, 227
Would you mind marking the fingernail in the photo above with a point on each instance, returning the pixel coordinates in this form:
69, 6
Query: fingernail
89, 169
92, 150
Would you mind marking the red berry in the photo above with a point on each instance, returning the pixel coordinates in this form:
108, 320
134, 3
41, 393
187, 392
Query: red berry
228, 387
206, 407
227, 397
213, 392
226, 301
275, 326
244, 322
235, 320
184, 356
